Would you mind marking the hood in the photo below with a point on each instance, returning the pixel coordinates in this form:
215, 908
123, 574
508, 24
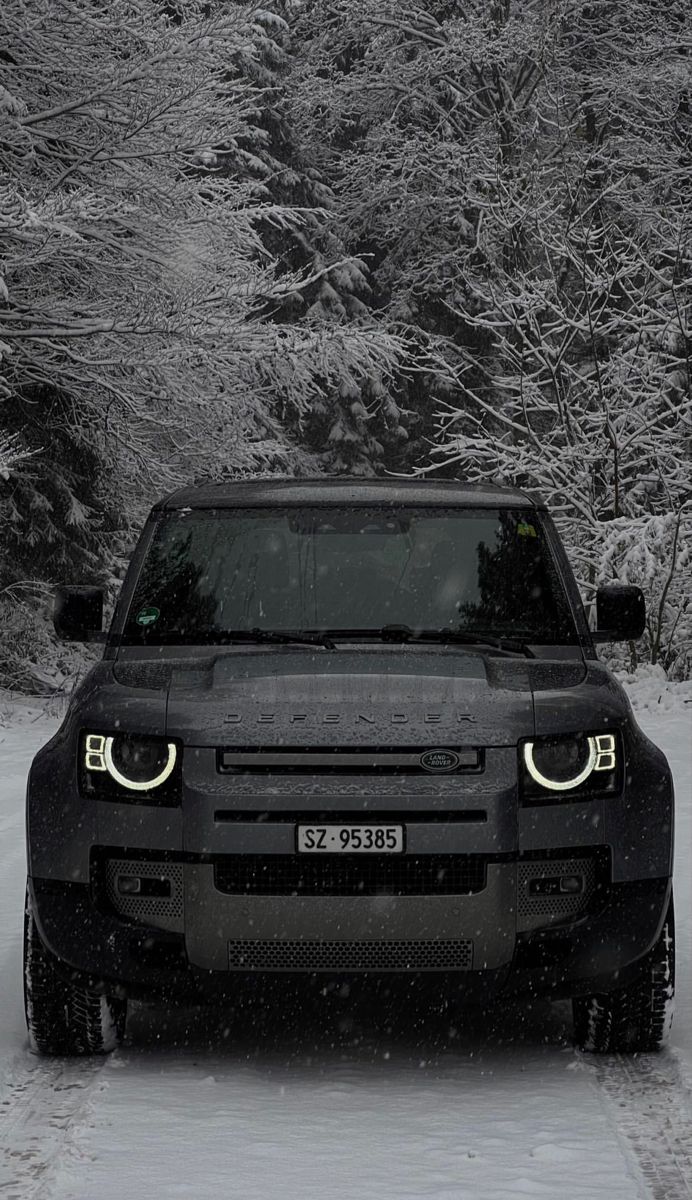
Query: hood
363, 696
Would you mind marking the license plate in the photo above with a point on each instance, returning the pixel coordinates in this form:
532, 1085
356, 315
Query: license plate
350, 839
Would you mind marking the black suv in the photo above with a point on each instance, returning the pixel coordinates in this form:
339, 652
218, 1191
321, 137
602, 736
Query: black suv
345, 727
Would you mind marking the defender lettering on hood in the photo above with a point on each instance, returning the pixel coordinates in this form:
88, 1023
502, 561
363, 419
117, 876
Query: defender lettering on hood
331, 718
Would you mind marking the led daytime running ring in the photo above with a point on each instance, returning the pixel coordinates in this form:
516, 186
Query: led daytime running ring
601, 758
99, 757
130, 783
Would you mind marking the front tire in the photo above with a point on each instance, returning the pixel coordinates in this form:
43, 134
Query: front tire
62, 1017
634, 1019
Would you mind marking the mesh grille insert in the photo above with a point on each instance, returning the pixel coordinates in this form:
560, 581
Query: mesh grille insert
164, 912
535, 910
350, 956
351, 875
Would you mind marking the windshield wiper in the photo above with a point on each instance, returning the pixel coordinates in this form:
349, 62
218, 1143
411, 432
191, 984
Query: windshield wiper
386, 633
273, 635
404, 633
489, 639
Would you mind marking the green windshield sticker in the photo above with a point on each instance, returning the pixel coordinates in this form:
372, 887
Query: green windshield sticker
524, 530
147, 616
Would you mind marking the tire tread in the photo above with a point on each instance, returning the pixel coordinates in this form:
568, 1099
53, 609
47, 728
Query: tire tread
635, 1018
62, 1017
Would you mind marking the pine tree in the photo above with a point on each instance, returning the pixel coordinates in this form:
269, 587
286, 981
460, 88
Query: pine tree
353, 420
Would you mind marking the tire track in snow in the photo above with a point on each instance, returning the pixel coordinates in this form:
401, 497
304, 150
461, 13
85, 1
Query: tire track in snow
650, 1106
43, 1102
40, 1108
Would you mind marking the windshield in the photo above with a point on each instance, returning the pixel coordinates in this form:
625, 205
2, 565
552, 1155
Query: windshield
211, 573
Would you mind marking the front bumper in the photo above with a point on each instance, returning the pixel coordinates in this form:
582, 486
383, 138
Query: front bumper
108, 952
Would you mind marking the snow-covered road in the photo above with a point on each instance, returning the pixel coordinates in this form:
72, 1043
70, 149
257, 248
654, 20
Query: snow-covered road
346, 1097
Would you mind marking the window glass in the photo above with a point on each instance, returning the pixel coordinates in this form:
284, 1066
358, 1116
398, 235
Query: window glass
214, 572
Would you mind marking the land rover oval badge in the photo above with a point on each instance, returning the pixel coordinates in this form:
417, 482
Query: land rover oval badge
439, 760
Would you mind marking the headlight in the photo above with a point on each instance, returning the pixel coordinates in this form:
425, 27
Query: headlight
132, 763
583, 764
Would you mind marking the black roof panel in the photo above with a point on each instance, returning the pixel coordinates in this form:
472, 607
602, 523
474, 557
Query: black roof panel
345, 491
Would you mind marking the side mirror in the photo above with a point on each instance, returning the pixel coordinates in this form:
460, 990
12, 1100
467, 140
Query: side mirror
620, 613
78, 613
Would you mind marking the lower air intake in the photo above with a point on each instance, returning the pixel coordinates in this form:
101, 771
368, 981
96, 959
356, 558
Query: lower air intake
350, 956
350, 874
159, 898
540, 900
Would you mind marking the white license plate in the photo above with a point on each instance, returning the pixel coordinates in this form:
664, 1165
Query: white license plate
350, 839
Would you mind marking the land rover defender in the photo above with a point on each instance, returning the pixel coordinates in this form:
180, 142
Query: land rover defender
345, 727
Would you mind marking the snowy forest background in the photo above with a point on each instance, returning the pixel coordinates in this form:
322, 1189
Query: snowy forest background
344, 236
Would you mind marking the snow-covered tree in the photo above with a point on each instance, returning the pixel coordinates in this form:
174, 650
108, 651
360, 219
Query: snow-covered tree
351, 425
133, 272
136, 287
522, 174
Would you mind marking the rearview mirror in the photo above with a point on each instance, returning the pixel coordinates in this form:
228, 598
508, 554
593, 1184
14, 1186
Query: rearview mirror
620, 613
78, 613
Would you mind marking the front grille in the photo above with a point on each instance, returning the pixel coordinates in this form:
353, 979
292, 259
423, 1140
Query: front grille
340, 760
354, 816
350, 956
351, 875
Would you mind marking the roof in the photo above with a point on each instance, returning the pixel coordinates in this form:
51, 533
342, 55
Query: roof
337, 490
